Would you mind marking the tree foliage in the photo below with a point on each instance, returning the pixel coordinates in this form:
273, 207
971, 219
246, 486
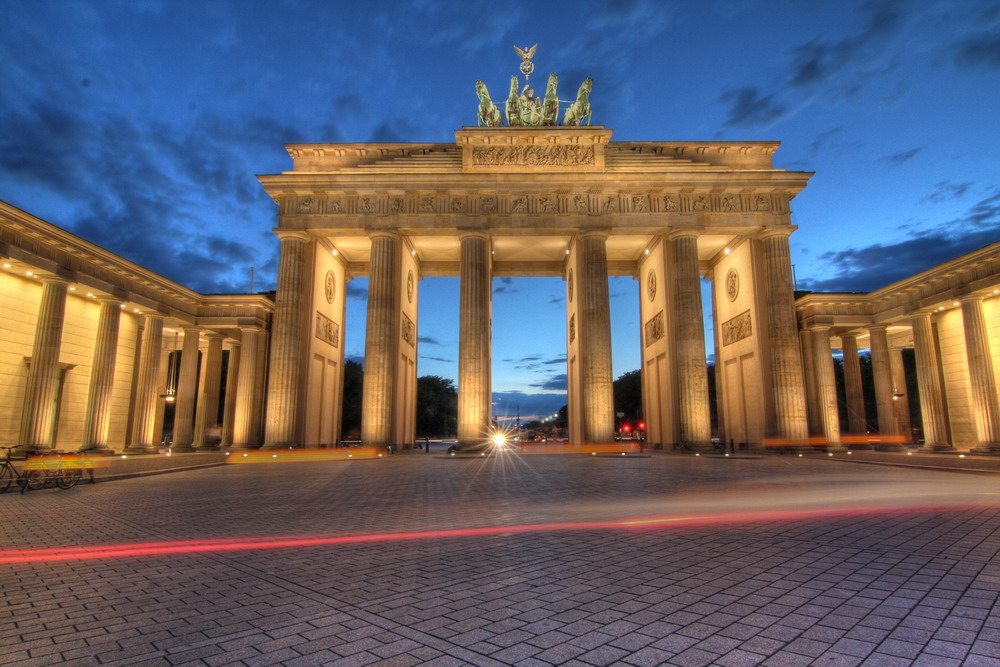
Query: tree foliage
437, 406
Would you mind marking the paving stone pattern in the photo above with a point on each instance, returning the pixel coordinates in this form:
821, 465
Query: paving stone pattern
880, 589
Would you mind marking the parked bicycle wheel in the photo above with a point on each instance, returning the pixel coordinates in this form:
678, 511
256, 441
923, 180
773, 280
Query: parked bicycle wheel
68, 478
7, 477
34, 479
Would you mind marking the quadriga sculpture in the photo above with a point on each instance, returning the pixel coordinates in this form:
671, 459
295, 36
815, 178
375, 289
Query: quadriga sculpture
580, 109
489, 113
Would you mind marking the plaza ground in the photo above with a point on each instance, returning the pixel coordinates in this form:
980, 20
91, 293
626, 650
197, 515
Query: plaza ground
506, 560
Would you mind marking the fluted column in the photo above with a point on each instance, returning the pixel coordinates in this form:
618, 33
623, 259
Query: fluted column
232, 382
102, 377
882, 377
856, 422
246, 434
689, 341
985, 409
826, 385
39, 407
147, 395
381, 340
474, 339
594, 335
187, 390
785, 358
207, 416
809, 373
900, 394
284, 389
929, 384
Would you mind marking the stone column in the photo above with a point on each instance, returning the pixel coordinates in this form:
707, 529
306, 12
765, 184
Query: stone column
147, 394
208, 403
246, 434
381, 340
882, 377
809, 373
929, 384
985, 408
856, 422
102, 378
900, 394
39, 407
232, 382
187, 390
689, 341
474, 343
283, 424
594, 335
826, 385
785, 358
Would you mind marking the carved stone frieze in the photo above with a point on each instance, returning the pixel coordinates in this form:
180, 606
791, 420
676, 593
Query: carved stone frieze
533, 156
737, 328
327, 330
654, 328
409, 331
572, 328
520, 204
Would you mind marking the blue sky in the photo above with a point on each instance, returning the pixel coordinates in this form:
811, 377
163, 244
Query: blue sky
141, 125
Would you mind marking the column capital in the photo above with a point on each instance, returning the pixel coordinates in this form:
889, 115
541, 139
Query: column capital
474, 234
211, 334
877, 327
52, 278
593, 233
773, 232
290, 235
384, 234
681, 232
971, 298
820, 328
107, 298
250, 328
190, 328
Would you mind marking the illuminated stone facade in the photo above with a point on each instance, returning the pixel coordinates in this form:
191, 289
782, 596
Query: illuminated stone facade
548, 201
86, 343
950, 317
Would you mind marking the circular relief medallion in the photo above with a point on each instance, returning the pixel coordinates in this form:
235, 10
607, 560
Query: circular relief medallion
569, 284
651, 284
409, 286
732, 284
330, 286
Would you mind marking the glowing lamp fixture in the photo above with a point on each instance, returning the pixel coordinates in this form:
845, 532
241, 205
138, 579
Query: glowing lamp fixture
499, 439
6, 265
727, 251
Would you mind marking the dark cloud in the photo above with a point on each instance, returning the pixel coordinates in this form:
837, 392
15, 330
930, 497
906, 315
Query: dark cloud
505, 286
817, 61
557, 299
748, 108
822, 139
980, 50
877, 265
356, 291
442, 359
555, 361
554, 383
901, 157
428, 340
945, 190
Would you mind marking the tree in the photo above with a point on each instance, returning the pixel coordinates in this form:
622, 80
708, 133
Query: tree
437, 406
628, 396
350, 425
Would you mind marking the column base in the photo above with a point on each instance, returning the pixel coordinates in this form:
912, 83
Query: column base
181, 449
988, 448
141, 449
937, 448
835, 448
97, 450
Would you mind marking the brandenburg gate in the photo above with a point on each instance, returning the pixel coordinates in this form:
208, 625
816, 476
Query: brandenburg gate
539, 199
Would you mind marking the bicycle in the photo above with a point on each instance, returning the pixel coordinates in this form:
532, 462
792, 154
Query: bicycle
38, 473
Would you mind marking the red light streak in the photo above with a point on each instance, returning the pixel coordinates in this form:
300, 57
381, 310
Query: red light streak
221, 545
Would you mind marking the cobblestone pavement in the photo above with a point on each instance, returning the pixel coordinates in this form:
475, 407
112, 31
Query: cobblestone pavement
865, 584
